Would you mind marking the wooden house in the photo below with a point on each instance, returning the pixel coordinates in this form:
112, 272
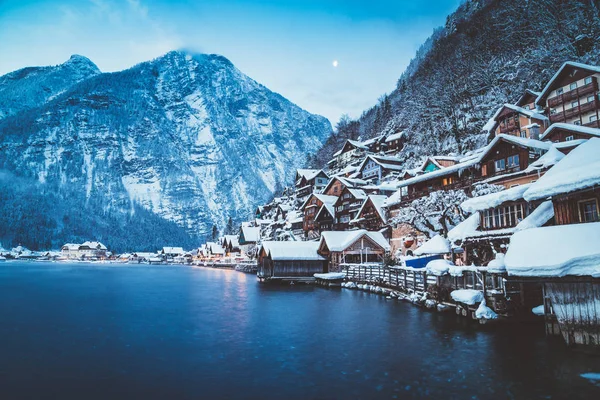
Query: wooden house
336, 185
346, 207
571, 95
563, 133
310, 208
352, 247
231, 244
249, 235
527, 100
371, 214
505, 161
394, 143
325, 218
518, 121
289, 261
310, 181
351, 153
374, 168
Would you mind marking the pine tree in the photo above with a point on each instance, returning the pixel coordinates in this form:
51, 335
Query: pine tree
229, 230
215, 233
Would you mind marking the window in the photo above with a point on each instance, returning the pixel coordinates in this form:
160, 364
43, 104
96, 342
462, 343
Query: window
513, 161
559, 91
526, 106
335, 189
590, 99
573, 86
588, 210
484, 170
574, 104
568, 138
345, 219
593, 118
500, 165
587, 80
523, 134
577, 122
553, 111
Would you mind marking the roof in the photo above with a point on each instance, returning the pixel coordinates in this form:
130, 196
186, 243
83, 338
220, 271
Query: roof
70, 246
341, 240
521, 110
436, 245
494, 199
555, 251
348, 182
326, 207
571, 128
232, 240
394, 136
357, 193
216, 248
440, 172
378, 201
251, 233
469, 228
387, 162
568, 64
519, 141
323, 198
580, 169
173, 250
294, 250
528, 92
309, 174
94, 245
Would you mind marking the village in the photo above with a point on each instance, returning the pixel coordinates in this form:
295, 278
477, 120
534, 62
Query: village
507, 232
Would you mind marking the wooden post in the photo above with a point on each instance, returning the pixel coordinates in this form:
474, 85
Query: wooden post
424, 281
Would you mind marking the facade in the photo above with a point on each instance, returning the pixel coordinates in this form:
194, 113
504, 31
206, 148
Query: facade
518, 121
352, 247
371, 215
374, 168
310, 181
571, 96
289, 261
310, 208
325, 218
347, 206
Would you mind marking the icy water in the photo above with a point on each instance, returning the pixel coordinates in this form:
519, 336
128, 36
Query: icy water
148, 332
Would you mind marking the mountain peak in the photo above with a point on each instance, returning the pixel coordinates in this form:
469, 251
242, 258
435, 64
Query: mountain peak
81, 62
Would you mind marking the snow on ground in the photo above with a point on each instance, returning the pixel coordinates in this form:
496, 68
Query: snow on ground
438, 267
539, 310
483, 311
467, 296
555, 251
331, 276
435, 245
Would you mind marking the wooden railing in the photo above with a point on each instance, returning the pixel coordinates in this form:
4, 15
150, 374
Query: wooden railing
574, 94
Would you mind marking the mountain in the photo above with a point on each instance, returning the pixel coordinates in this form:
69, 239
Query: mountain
188, 138
487, 54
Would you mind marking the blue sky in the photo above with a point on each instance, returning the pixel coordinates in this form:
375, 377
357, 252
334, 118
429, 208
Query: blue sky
288, 46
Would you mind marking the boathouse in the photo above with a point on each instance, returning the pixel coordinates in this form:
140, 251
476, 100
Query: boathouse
352, 247
290, 261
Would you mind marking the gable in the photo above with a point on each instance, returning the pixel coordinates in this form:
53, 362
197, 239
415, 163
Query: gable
430, 166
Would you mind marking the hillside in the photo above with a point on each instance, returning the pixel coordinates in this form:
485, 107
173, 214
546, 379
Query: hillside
487, 54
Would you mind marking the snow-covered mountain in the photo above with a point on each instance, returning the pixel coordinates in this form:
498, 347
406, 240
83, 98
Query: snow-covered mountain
188, 137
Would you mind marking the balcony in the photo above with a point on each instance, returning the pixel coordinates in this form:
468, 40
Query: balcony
574, 94
593, 124
574, 112
510, 127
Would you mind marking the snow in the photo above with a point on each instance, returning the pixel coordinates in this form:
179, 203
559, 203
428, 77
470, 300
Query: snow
435, 245
571, 128
308, 174
493, 200
251, 233
377, 201
440, 172
551, 157
484, 312
539, 310
438, 267
465, 229
341, 240
394, 136
580, 169
521, 110
497, 265
295, 250
467, 296
331, 276
555, 251
519, 141
321, 197
173, 250
538, 217
94, 245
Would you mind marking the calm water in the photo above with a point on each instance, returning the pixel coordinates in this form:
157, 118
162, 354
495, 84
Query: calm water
90, 331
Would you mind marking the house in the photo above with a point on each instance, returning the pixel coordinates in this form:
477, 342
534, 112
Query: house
562, 133
215, 250
571, 95
573, 185
352, 247
495, 217
527, 100
231, 244
394, 143
371, 215
249, 235
325, 218
518, 121
374, 168
70, 250
172, 252
351, 153
337, 184
506, 159
310, 208
346, 207
87, 250
291, 261
309, 181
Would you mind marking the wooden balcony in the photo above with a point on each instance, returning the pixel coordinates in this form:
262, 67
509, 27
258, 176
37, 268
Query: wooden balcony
574, 94
462, 185
593, 124
575, 111
507, 128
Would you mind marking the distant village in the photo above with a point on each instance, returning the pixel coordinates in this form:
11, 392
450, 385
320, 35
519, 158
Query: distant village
507, 231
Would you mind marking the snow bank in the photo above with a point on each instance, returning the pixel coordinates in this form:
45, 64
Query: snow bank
465, 229
438, 267
539, 310
483, 311
555, 251
580, 169
331, 276
435, 245
493, 200
467, 296
497, 265
538, 217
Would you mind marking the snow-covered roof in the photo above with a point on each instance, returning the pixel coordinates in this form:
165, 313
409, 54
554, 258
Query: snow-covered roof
232, 240
251, 233
440, 172
377, 201
394, 136
341, 240
578, 170
519, 141
326, 207
394, 199
436, 245
173, 250
521, 110
568, 64
494, 199
308, 174
555, 251
323, 198
357, 193
387, 162
348, 182
438, 267
70, 246
292, 250
94, 245
216, 248
469, 228
571, 128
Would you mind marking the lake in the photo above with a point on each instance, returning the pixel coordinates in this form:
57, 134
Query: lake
81, 331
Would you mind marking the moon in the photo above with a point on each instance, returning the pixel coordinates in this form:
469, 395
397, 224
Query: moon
335, 63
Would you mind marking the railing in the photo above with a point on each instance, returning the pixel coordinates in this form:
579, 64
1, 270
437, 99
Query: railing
462, 184
574, 94
593, 124
510, 127
574, 112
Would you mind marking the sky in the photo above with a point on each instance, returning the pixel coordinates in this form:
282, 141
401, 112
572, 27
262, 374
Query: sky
288, 46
